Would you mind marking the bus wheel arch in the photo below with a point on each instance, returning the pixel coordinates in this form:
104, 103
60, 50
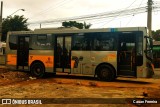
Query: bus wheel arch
105, 71
37, 69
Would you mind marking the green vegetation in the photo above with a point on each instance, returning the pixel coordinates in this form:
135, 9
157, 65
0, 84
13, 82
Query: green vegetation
156, 35
15, 23
76, 24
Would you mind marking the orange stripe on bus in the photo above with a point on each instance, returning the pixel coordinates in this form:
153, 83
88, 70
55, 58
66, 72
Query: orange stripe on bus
11, 59
48, 61
72, 63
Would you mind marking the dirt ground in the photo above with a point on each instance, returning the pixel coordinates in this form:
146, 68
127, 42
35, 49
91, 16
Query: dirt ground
16, 84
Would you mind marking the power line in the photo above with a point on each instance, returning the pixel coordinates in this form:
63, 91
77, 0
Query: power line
140, 3
101, 15
94, 16
131, 4
130, 20
119, 13
133, 14
49, 8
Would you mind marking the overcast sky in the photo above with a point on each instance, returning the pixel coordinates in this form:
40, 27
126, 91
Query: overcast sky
37, 10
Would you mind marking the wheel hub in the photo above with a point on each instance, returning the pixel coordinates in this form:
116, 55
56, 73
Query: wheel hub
38, 70
105, 73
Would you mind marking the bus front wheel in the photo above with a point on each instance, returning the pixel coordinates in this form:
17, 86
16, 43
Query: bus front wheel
105, 73
37, 69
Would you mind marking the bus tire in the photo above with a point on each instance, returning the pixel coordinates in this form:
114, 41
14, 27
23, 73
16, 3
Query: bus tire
38, 69
105, 73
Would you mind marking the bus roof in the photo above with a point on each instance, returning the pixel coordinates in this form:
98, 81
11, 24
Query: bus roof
75, 30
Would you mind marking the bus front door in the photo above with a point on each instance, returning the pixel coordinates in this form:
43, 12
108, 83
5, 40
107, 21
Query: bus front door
63, 54
126, 55
22, 51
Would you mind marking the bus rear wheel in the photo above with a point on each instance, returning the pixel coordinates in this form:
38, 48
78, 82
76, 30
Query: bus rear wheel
105, 73
37, 69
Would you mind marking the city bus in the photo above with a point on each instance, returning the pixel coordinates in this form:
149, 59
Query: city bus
105, 53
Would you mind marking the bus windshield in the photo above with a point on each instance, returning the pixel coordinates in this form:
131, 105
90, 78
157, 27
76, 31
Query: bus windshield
148, 52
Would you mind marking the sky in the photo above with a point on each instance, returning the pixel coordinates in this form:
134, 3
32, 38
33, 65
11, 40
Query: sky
40, 10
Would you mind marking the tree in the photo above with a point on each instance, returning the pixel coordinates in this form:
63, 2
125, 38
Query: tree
76, 24
16, 23
87, 26
156, 35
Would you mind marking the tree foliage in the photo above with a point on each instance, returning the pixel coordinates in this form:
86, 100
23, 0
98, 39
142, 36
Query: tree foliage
156, 35
87, 26
15, 23
76, 24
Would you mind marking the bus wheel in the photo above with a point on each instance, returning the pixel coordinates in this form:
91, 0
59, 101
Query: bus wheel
37, 69
105, 73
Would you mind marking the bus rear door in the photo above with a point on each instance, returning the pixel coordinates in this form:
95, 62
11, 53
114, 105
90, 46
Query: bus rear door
22, 51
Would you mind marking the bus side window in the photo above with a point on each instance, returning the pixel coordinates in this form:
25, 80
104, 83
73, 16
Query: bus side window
86, 44
77, 46
41, 42
77, 42
105, 45
97, 44
104, 42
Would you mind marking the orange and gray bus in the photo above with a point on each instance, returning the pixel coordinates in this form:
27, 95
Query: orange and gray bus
104, 53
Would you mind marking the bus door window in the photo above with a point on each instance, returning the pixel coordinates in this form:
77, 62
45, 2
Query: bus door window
59, 52
123, 47
127, 49
63, 52
23, 51
67, 52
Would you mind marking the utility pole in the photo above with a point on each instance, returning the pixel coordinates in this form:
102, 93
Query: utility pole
1, 20
40, 25
149, 17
